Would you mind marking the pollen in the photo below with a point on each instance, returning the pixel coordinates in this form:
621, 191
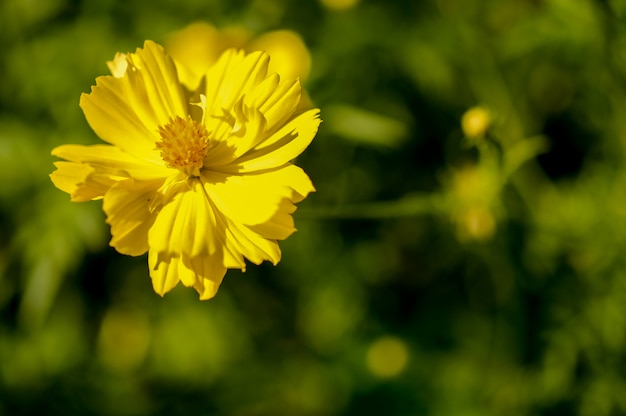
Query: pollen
184, 144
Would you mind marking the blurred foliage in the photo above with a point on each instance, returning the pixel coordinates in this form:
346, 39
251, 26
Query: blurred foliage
452, 262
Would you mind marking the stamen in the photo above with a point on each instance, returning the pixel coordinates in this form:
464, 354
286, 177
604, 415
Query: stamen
183, 145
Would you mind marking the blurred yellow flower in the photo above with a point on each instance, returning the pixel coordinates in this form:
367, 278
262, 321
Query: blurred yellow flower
475, 122
197, 46
474, 196
199, 180
387, 357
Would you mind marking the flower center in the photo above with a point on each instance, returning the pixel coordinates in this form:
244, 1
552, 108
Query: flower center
183, 145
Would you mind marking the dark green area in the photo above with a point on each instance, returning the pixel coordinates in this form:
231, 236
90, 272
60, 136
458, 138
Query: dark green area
498, 263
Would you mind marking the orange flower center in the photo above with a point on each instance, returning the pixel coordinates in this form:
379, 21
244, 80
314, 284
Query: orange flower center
184, 144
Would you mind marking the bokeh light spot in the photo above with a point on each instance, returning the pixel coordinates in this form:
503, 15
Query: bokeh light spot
339, 4
124, 339
387, 357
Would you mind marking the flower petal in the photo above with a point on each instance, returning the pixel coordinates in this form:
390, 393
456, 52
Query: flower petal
127, 111
93, 170
277, 100
253, 199
191, 225
230, 143
281, 105
209, 276
202, 273
71, 177
164, 271
254, 247
118, 65
112, 160
185, 224
234, 75
281, 147
254, 119
280, 225
127, 206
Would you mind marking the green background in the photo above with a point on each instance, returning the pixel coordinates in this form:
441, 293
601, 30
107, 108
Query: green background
527, 319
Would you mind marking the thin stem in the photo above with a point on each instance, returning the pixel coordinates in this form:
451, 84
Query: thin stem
409, 206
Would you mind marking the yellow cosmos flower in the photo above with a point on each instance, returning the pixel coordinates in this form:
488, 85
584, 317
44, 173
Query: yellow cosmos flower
200, 180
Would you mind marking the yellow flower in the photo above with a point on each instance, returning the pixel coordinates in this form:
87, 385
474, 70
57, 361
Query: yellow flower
474, 197
475, 122
199, 180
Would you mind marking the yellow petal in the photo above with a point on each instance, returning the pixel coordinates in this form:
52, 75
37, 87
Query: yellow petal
251, 121
281, 147
231, 77
154, 82
240, 142
127, 206
127, 111
278, 107
204, 274
209, 275
71, 177
191, 225
82, 181
118, 65
112, 160
92, 170
164, 271
280, 225
255, 198
264, 109
253, 246
297, 179
186, 224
